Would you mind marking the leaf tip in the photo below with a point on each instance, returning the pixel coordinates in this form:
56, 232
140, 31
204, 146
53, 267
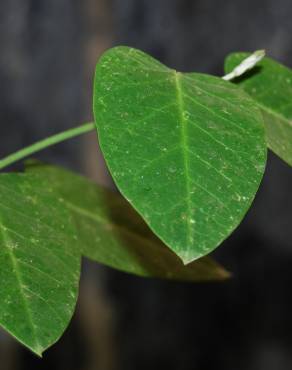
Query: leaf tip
219, 272
188, 257
38, 352
224, 274
37, 349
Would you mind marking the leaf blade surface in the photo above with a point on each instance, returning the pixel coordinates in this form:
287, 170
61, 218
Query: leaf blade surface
186, 150
270, 85
39, 267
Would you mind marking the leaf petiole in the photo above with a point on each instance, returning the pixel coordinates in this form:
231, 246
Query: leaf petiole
45, 143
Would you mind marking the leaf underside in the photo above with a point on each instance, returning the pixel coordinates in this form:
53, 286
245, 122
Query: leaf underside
270, 85
186, 150
110, 232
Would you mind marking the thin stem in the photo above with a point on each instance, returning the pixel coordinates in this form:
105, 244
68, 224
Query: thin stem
40, 145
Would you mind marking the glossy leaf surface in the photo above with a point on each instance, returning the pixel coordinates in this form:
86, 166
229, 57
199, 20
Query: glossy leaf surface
109, 231
187, 150
270, 85
39, 271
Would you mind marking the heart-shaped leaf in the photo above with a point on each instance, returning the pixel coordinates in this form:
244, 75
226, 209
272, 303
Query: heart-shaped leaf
270, 85
187, 150
110, 232
39, 262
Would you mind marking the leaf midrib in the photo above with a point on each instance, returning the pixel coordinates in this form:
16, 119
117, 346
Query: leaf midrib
37, 346
184, 147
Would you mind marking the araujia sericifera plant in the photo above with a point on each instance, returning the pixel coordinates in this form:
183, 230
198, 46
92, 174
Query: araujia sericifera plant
187, 151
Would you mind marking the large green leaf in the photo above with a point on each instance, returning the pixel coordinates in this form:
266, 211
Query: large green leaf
109, 231
270, 85
39, 262
187, 150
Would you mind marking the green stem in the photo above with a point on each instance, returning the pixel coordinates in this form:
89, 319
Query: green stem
40, 145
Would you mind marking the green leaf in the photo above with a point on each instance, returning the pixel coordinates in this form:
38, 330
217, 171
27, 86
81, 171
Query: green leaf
186, 150
109, 231
40, 265
48, 218
270, 85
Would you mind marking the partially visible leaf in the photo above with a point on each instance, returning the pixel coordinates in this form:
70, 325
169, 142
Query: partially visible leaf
40, 264
186, 150
109, 231
48, 218
270, 85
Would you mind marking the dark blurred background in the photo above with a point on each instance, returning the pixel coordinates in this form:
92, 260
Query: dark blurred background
48, 51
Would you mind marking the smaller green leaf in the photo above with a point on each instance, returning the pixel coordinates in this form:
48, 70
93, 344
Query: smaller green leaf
40, 265
270, 85
48, 218
110, 232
